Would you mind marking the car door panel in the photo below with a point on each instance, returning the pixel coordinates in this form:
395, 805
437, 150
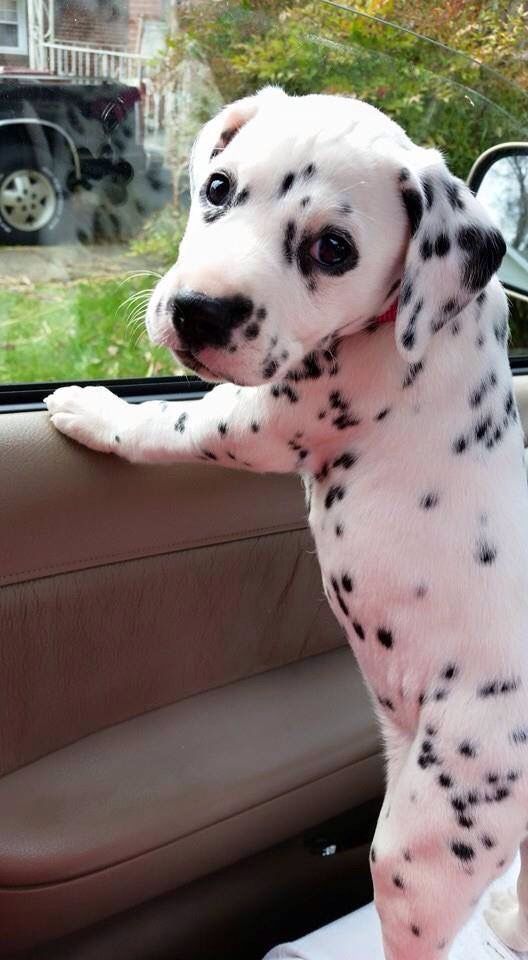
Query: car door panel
178, 697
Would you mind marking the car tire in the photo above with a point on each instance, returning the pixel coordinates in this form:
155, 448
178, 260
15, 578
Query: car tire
34, 198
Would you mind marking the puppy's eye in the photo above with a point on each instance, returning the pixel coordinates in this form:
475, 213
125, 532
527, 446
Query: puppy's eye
218, 189
330, 250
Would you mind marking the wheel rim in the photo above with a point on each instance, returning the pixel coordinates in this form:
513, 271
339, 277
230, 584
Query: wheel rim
28, 200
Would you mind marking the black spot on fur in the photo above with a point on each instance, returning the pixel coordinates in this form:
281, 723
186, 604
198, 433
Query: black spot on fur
414, 207
346, 582
459, 445
416, 932
270, 369
486, 553
502, 793
383, 413
500, 331
255, 427
334, 494
519, 736
398, 881
346, 460
339, 530
385, 702
373, 854
429, 500
464, 821
345, 420
428, 192
450, 672
211, 216
241, 197
463, 851
487, 841
479, 392
181, 422
309, 171
452, 190
442, 245
426, 249
289, 236
467, 749
305, 201
385, 638
445, 781
359, 630
413, 370
406, 291
484, 251
222, 429
497, 688
287, 183
339, 598
252, 331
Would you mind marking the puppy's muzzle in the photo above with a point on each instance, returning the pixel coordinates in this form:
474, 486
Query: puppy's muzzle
202, 321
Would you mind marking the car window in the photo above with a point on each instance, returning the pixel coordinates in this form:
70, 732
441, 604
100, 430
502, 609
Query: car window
99, 106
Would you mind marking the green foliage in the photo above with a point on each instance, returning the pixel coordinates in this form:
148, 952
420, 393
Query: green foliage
438, 96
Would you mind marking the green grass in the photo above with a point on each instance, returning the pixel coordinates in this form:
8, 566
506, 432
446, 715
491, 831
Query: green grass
77, 331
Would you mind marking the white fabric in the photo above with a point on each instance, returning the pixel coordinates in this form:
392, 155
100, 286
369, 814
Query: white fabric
358, 936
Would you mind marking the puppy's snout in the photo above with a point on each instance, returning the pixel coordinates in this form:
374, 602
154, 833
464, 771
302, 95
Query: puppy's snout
202, 321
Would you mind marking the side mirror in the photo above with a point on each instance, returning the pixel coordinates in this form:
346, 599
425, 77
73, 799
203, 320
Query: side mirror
499, 178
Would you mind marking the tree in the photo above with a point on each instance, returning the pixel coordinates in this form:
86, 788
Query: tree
439, 96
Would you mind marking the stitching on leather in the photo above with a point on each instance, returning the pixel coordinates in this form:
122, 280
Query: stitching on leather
71, 566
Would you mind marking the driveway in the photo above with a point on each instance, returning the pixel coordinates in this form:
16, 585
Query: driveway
21, 267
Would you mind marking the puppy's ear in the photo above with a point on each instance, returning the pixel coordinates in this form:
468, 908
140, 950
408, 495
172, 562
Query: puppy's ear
454, 250
218, 133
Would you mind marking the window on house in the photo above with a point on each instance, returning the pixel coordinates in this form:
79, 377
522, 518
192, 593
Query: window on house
13, 33
98, 121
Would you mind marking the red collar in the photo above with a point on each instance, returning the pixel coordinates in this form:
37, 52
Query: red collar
390, 315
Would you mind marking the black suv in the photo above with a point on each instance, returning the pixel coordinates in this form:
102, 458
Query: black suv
72, 162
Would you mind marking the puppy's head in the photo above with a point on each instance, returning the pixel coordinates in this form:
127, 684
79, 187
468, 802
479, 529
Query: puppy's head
306, 214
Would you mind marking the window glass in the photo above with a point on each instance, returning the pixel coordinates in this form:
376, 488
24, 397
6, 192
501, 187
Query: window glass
9, 24
100, 101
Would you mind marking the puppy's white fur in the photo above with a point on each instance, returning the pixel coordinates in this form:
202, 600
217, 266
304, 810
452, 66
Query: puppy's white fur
408, 440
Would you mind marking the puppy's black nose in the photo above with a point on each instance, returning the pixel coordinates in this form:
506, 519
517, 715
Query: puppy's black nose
203, 321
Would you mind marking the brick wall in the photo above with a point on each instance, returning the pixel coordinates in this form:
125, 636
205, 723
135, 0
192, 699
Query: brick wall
100, 24
13, 60
106, 23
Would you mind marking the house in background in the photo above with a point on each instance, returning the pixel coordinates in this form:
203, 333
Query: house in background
90, 41
83, 39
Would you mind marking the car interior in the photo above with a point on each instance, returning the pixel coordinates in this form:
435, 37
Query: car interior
189, 761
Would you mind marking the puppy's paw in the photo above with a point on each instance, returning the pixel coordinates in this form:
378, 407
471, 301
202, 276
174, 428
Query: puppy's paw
91, 415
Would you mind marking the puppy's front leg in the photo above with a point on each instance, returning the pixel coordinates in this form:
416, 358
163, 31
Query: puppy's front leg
232, 426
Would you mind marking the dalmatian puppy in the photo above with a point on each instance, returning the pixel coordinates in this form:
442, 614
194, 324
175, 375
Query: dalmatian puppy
339, 281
